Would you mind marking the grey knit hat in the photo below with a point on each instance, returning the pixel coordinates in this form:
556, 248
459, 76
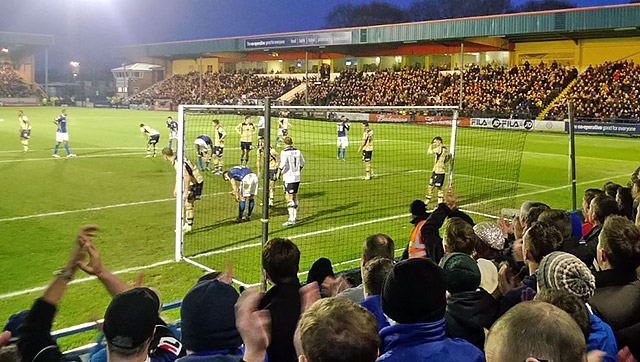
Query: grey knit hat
564, 271
490, 234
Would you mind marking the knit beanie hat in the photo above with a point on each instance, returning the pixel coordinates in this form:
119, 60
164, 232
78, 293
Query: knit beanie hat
418, 208
414, 292
208, 317
564, 271
320, 269
461, 273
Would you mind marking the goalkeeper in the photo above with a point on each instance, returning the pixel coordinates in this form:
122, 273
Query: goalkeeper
442, 156
274, 171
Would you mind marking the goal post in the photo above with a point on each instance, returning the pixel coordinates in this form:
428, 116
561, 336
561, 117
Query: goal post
338, 208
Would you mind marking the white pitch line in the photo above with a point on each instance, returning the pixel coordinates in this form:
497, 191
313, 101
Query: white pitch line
64, 157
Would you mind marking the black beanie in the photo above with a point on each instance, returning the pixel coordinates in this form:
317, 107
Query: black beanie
208, 320
418, 208
414, 292
320, 269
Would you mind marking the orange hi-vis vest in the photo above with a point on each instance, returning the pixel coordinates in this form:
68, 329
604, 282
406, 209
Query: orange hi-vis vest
416, 246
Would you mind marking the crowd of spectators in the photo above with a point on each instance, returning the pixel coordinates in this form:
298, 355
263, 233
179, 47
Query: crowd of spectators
11, 84
548, 285
217, 88
608, 90
490, 89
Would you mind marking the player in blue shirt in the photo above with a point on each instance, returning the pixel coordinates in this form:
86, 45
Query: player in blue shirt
204, 148
173, 130
61, 134
248, 188
343, 141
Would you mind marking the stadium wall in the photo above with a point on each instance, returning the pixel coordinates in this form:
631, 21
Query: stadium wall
584, 53
184, 66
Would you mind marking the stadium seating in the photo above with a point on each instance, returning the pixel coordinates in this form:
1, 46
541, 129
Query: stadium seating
11, 84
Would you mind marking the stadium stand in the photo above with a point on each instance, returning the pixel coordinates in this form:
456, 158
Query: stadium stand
11, 85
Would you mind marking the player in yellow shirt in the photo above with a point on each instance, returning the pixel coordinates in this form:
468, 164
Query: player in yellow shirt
25, 131
219, 135
245, 130
366, 147
274, 162
442, 155
152, 136
193, 182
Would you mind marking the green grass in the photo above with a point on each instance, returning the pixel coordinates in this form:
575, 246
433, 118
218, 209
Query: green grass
112, 185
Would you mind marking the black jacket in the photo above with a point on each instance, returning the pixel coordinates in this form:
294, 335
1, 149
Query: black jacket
617, 301
283, 302
468, 314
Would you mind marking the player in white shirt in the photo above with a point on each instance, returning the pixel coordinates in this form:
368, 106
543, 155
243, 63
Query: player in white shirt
283, 128
291, 162
25, 131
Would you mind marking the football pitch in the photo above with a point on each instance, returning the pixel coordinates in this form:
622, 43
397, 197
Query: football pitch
110, 183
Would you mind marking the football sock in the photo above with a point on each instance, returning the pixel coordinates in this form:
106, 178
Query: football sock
291, 208
338, 152
200, 162
344, 153
295, 211
241, 206
250, 209
189, 216
440, 196
206, 165
66, 148
170, 143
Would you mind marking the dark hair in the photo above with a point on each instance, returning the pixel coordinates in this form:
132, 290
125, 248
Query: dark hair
625, 202
541, 239
437, 138
215, 121
560, 219
373, 274
602, 206
534, 212
570, 303
167, 152
610, 189
280, 259
459, 236
141, 124
589, 194
378, 245
620, 240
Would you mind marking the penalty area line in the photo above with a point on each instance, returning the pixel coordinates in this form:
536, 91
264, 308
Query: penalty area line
64, 157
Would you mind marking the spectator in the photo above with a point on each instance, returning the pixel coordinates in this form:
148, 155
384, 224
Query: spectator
280, 259
489, 240
320, 271
563, 271
131, 321
338, 330
539, 240
617, 296
589, 194
431, 228
208, 323
376, 245
416, 247
624, 199
535, 330
470, 309
413, 296
373, 275
601, 207
561, 220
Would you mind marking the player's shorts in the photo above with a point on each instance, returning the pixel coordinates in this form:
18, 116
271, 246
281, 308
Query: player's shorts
437, 179
173, 135
291, 188
202, 148
249, 185
273, 174
218, 150
25, 133
245, 146
283, 132
62, 137
261, 132
366, 156
153, 139
195, 192
343, 142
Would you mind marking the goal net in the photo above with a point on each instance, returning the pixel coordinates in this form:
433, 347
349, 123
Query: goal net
339, 206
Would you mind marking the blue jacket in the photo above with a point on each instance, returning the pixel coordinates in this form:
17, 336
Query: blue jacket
601, 338
372, 304
425, 342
